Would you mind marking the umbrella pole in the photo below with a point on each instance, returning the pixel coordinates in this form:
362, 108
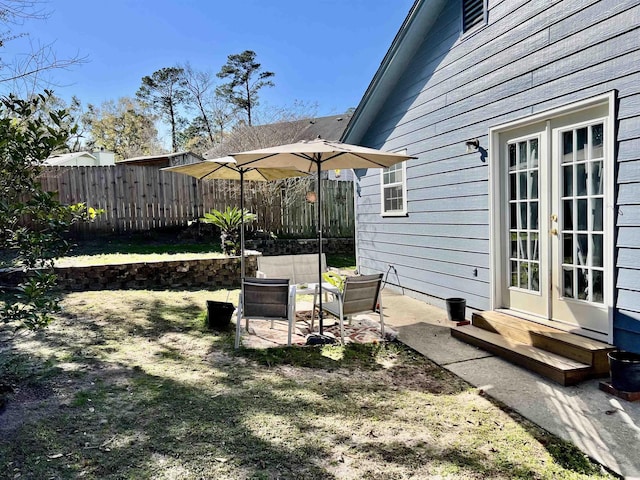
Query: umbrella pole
242, 226
319, 224
320, 338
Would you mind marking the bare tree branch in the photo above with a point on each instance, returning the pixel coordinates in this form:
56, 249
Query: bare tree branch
24, 73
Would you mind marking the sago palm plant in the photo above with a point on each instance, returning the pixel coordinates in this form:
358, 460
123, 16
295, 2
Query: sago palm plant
229, 222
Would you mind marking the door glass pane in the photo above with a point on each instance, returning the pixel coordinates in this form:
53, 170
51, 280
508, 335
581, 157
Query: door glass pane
598, 288
533, 217
596, 252
523, 251
581, 179
567, 215
597, 135
523, 215
523, 185
513, 216
533, 153
581, 143
567, 282
535, 246
582, 249
514, 245
567, 147
567, 248
512, 187
533, 184
522, 155
512, 157
514, 274
567, 174
524, 275
597, 212
596, 178
583, 284
534, 274
582, 214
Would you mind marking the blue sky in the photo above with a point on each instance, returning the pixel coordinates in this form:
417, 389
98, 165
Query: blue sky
322, 51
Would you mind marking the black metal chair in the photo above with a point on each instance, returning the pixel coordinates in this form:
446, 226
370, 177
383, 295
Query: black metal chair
361, 294
266, 299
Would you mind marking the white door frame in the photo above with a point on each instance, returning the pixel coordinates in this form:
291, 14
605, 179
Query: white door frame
496, 214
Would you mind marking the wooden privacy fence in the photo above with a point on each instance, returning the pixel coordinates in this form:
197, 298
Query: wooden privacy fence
138, 198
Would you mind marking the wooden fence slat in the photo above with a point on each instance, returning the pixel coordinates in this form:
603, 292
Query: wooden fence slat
143, 198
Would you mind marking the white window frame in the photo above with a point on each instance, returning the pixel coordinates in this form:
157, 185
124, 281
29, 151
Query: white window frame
403, 184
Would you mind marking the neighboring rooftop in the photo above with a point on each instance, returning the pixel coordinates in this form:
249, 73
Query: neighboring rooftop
164, 159
328, 128
282, 133
272, 134
81, 159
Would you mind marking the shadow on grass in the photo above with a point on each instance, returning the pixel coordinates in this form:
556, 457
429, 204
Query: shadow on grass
341, 261
564, 453
130, 424
143, 243
216, 413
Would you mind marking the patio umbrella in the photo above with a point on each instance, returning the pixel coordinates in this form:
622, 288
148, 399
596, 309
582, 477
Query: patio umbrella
313, 157
225, 168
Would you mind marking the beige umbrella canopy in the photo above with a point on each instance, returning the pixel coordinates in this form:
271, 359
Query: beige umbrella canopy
225, 168
315, 156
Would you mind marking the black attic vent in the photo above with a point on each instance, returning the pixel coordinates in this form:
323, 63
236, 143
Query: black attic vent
472, 13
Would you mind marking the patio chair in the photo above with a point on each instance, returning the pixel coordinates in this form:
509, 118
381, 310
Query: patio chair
266, 299
361, 294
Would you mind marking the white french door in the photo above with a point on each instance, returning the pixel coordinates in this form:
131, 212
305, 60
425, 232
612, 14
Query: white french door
579, 272
525, 202
553, 236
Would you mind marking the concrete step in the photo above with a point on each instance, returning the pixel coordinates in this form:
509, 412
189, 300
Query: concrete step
566, 344
555, 367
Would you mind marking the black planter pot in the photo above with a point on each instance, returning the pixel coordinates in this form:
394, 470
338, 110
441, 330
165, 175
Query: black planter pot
625, 371
219, 314
456, 308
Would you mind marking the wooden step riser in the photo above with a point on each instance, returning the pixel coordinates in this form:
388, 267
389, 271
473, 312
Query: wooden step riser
516, 333
562, 377
597, 359
510, 332
600, 364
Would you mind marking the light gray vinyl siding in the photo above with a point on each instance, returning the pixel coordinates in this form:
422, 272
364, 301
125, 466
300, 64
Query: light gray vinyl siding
532, 56
627, 318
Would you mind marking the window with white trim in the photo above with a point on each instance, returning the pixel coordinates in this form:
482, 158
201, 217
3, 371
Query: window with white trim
473, 14
393, 185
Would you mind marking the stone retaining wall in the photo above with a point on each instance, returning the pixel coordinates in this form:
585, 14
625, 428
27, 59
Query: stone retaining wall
201, 273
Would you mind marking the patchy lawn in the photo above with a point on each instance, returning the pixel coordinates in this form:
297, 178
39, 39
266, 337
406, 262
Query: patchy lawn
129, 384
138, 247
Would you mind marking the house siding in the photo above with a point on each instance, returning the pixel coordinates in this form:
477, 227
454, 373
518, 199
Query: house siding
531, 56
